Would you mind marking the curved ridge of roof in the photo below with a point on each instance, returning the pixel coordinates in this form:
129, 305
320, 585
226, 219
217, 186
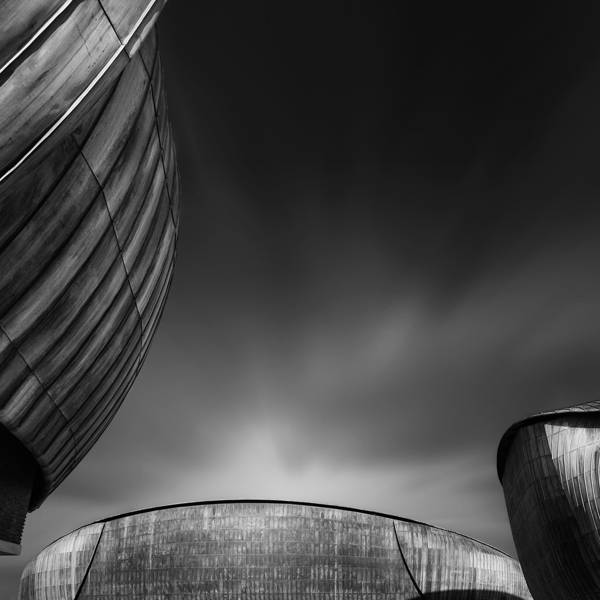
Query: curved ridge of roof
511, 432
288, 502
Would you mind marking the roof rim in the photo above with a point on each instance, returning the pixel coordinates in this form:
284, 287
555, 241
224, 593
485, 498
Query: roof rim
287, 502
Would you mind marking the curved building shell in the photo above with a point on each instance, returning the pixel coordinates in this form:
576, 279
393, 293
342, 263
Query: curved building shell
549, 468
89, 197
259, 550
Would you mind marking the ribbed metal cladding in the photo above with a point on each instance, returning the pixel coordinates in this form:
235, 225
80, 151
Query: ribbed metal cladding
89, 205
262, 550
551, 479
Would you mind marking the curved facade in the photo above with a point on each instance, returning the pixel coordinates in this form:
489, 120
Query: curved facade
89, 197
275, 550
549, 469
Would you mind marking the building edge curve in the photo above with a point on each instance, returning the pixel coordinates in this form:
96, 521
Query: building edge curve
589, 408
550, 474
267, 501
84, 275
262, 547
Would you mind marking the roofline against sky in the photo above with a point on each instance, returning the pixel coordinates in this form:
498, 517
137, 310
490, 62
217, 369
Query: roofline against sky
588, 409
289, 502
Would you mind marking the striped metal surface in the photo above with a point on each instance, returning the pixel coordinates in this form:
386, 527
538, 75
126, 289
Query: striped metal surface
443, 562
89, 200
258, 550
550, 476
60, 569
587, 408
56, 60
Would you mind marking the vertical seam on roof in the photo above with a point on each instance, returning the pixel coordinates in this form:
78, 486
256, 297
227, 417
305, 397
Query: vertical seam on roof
158, 65
59, 122
32, 371
406, 564
112, 223
36, 35
84, 579
85, 92
139, 22
109, 20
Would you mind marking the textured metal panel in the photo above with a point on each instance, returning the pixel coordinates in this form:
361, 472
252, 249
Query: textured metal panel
511, 432
133, 19
56, 61
58, 571
443, 563
18, 24
260, 550
41, 85
87, 245
552, 489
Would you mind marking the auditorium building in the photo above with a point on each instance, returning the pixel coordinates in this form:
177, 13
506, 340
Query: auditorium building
259, 550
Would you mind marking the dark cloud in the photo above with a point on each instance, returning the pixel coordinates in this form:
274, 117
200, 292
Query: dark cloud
388, 255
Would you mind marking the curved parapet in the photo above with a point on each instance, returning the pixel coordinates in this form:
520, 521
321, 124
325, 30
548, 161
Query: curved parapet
257, 549
89, 197
548, 465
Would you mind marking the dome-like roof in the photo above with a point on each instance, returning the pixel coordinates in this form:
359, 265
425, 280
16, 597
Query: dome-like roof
268, 549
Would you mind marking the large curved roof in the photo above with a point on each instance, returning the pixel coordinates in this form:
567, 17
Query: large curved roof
265, 549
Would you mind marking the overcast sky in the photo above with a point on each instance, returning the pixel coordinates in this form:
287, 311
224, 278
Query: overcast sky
388, 254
